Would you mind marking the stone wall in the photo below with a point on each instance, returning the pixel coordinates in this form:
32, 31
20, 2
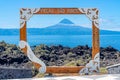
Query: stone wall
114, 69
12, 73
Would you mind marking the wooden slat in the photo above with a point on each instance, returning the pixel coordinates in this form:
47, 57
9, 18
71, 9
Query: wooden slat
64, 69
59, 11
23, 33
95, 40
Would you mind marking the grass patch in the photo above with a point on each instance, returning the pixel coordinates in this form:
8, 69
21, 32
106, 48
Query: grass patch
75, 63
39, 75
103, 70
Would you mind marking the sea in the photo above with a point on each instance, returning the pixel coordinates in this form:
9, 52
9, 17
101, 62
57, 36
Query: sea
65, 40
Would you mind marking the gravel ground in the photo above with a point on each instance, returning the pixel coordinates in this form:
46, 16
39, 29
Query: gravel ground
92, 77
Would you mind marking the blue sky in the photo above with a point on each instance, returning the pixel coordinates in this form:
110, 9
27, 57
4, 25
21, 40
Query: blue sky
109, 13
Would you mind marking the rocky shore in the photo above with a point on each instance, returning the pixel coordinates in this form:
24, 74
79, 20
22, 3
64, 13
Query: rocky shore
12, 56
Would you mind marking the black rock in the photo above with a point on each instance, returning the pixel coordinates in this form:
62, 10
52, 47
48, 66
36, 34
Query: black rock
2, 49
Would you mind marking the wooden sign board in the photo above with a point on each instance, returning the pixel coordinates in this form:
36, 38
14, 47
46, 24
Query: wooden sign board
91, 13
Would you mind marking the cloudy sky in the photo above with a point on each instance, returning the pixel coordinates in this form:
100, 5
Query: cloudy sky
109, 13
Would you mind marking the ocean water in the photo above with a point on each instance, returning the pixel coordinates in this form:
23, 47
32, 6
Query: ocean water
70, 41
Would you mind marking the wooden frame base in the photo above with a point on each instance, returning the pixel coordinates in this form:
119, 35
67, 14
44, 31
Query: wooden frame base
63, 69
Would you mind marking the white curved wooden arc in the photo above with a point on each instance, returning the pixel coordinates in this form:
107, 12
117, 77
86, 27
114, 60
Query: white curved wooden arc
26, 14
32, 56
91, 13
92, 66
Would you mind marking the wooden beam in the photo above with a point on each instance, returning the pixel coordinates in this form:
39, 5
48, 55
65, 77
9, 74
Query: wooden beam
59, 11
95, 40
64, 69
23, 33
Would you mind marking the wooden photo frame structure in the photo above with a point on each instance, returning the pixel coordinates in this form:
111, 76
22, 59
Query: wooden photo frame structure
91, 13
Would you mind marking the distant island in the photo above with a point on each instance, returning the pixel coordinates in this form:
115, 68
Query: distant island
64, 27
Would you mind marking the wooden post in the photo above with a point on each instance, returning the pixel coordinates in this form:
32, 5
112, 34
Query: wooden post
23, 36
95, 40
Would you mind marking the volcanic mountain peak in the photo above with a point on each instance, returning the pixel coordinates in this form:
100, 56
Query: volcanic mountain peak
66, 21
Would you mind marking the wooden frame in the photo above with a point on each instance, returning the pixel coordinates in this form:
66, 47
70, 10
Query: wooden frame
91, 13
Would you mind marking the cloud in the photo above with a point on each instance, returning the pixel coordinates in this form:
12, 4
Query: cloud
109, 24
8, 26
86, 25
103, 20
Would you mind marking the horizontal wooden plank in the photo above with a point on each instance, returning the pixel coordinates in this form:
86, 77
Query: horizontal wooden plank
59, 11
64, 69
